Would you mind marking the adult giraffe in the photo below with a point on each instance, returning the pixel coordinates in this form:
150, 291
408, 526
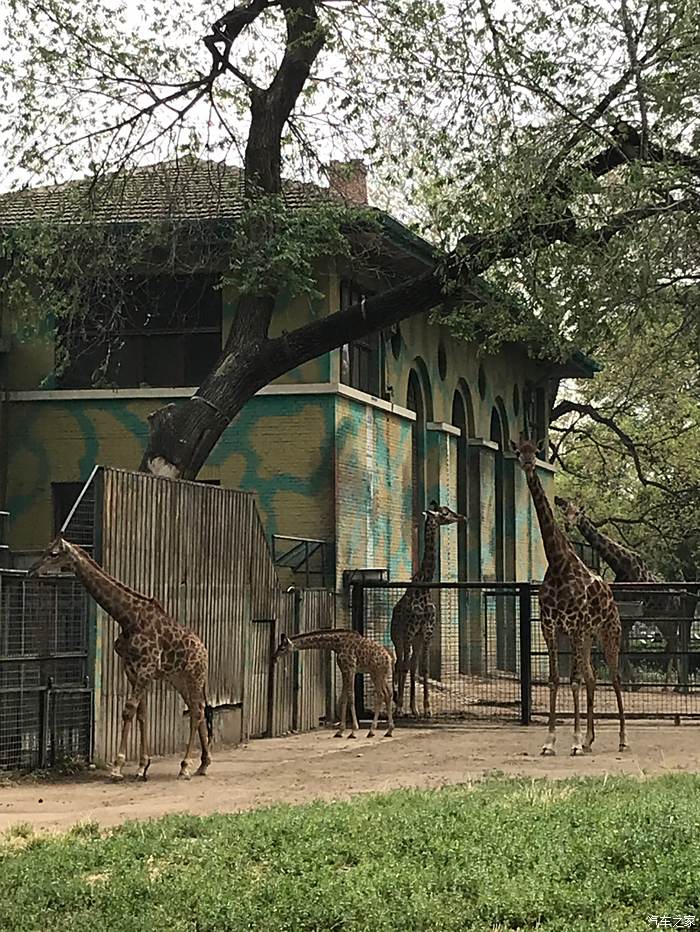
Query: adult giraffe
413, 617
152, 646
579, 603
670, 612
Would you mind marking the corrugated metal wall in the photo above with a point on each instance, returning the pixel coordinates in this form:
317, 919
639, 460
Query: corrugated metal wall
201, 551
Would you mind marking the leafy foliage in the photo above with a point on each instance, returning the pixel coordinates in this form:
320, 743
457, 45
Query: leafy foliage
504, 854
636, 468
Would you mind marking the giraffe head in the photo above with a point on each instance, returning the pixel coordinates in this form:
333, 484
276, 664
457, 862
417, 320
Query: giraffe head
57, 556
442, 514
570, 510
526, 452
285, 646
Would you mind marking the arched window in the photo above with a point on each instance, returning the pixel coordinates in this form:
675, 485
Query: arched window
415, 402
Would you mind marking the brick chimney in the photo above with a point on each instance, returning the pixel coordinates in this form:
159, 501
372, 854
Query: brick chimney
349, 180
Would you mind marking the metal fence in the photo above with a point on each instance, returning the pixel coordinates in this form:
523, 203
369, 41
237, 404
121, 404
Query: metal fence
488, 658
45, 690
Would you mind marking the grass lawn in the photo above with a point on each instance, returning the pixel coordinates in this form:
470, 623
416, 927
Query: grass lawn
503, 854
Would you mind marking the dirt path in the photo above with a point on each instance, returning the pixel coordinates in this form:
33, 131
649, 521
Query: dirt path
317, 766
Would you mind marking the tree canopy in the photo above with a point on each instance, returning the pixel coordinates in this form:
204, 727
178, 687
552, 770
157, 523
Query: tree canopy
549, 149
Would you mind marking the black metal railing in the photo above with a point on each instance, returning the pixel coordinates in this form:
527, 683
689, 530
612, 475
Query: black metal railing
488, 657
45, 692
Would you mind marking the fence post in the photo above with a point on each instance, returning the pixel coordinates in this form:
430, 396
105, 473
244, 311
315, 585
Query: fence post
358, 624
525, 613
296, 679
270, 723
44, 730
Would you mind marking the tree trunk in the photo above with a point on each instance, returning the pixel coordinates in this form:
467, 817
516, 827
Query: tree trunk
183, 435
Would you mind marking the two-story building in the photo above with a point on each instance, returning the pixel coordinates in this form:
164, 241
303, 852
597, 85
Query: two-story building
343, 453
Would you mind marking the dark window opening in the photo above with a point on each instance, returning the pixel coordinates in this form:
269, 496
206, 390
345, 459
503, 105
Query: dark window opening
64, 495
535, 402
148, 332
362, 361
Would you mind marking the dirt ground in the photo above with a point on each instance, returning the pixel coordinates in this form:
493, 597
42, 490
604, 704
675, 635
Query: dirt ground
299, 768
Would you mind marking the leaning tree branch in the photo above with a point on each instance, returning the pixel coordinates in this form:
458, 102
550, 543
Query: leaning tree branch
567, 407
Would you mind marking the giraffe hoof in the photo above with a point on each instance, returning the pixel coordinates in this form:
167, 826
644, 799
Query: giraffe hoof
338, 734
352, 735
577, 751
370, 734
184, 775
388, 734
547, 751
587, 749
623, 747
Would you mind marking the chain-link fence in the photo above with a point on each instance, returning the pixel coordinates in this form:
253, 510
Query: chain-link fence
488, 660
45, 693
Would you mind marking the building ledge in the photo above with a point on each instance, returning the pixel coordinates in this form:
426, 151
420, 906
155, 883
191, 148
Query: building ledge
443, 428
134, 394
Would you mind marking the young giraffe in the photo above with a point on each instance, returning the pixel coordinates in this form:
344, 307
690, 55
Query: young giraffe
354, 653
576, 601
152, 645
629, 566
413, 617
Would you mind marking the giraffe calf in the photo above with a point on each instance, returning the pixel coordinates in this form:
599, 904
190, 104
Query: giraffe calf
354, 653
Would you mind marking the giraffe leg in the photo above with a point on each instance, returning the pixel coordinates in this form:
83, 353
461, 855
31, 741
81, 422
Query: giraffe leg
412, 670
390, 718
550, 638
611, 648
343, 708
379, 697
351, 693
195, 704
138, 687
144, 751
576, 664
401, 669
589, 679
424, 674
205, 759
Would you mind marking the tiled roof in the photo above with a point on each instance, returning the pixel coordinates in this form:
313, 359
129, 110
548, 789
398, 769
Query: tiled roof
182, 190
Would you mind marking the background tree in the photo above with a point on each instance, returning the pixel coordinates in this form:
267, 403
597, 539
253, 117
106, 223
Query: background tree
627, 442
543, 148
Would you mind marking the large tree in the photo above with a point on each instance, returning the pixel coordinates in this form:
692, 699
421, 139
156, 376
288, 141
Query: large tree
547, 148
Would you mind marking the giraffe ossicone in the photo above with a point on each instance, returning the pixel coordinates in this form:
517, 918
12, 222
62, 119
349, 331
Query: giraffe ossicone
151, 645
354, 654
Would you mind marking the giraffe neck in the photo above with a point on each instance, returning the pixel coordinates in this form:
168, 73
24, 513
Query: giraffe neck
557, 548
627, 565
115, 598
426, 571
328, 639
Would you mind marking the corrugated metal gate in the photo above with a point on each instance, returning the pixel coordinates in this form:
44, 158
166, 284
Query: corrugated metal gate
45, 693
295, 694
202, 552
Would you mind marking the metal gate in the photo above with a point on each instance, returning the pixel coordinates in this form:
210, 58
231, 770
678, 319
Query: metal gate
45, 689
488, 658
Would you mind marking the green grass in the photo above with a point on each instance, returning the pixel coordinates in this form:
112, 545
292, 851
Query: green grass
504, 854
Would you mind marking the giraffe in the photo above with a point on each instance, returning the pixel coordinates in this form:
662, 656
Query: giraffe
576, 601
629, 566
413, 617
354, 653
152, 646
